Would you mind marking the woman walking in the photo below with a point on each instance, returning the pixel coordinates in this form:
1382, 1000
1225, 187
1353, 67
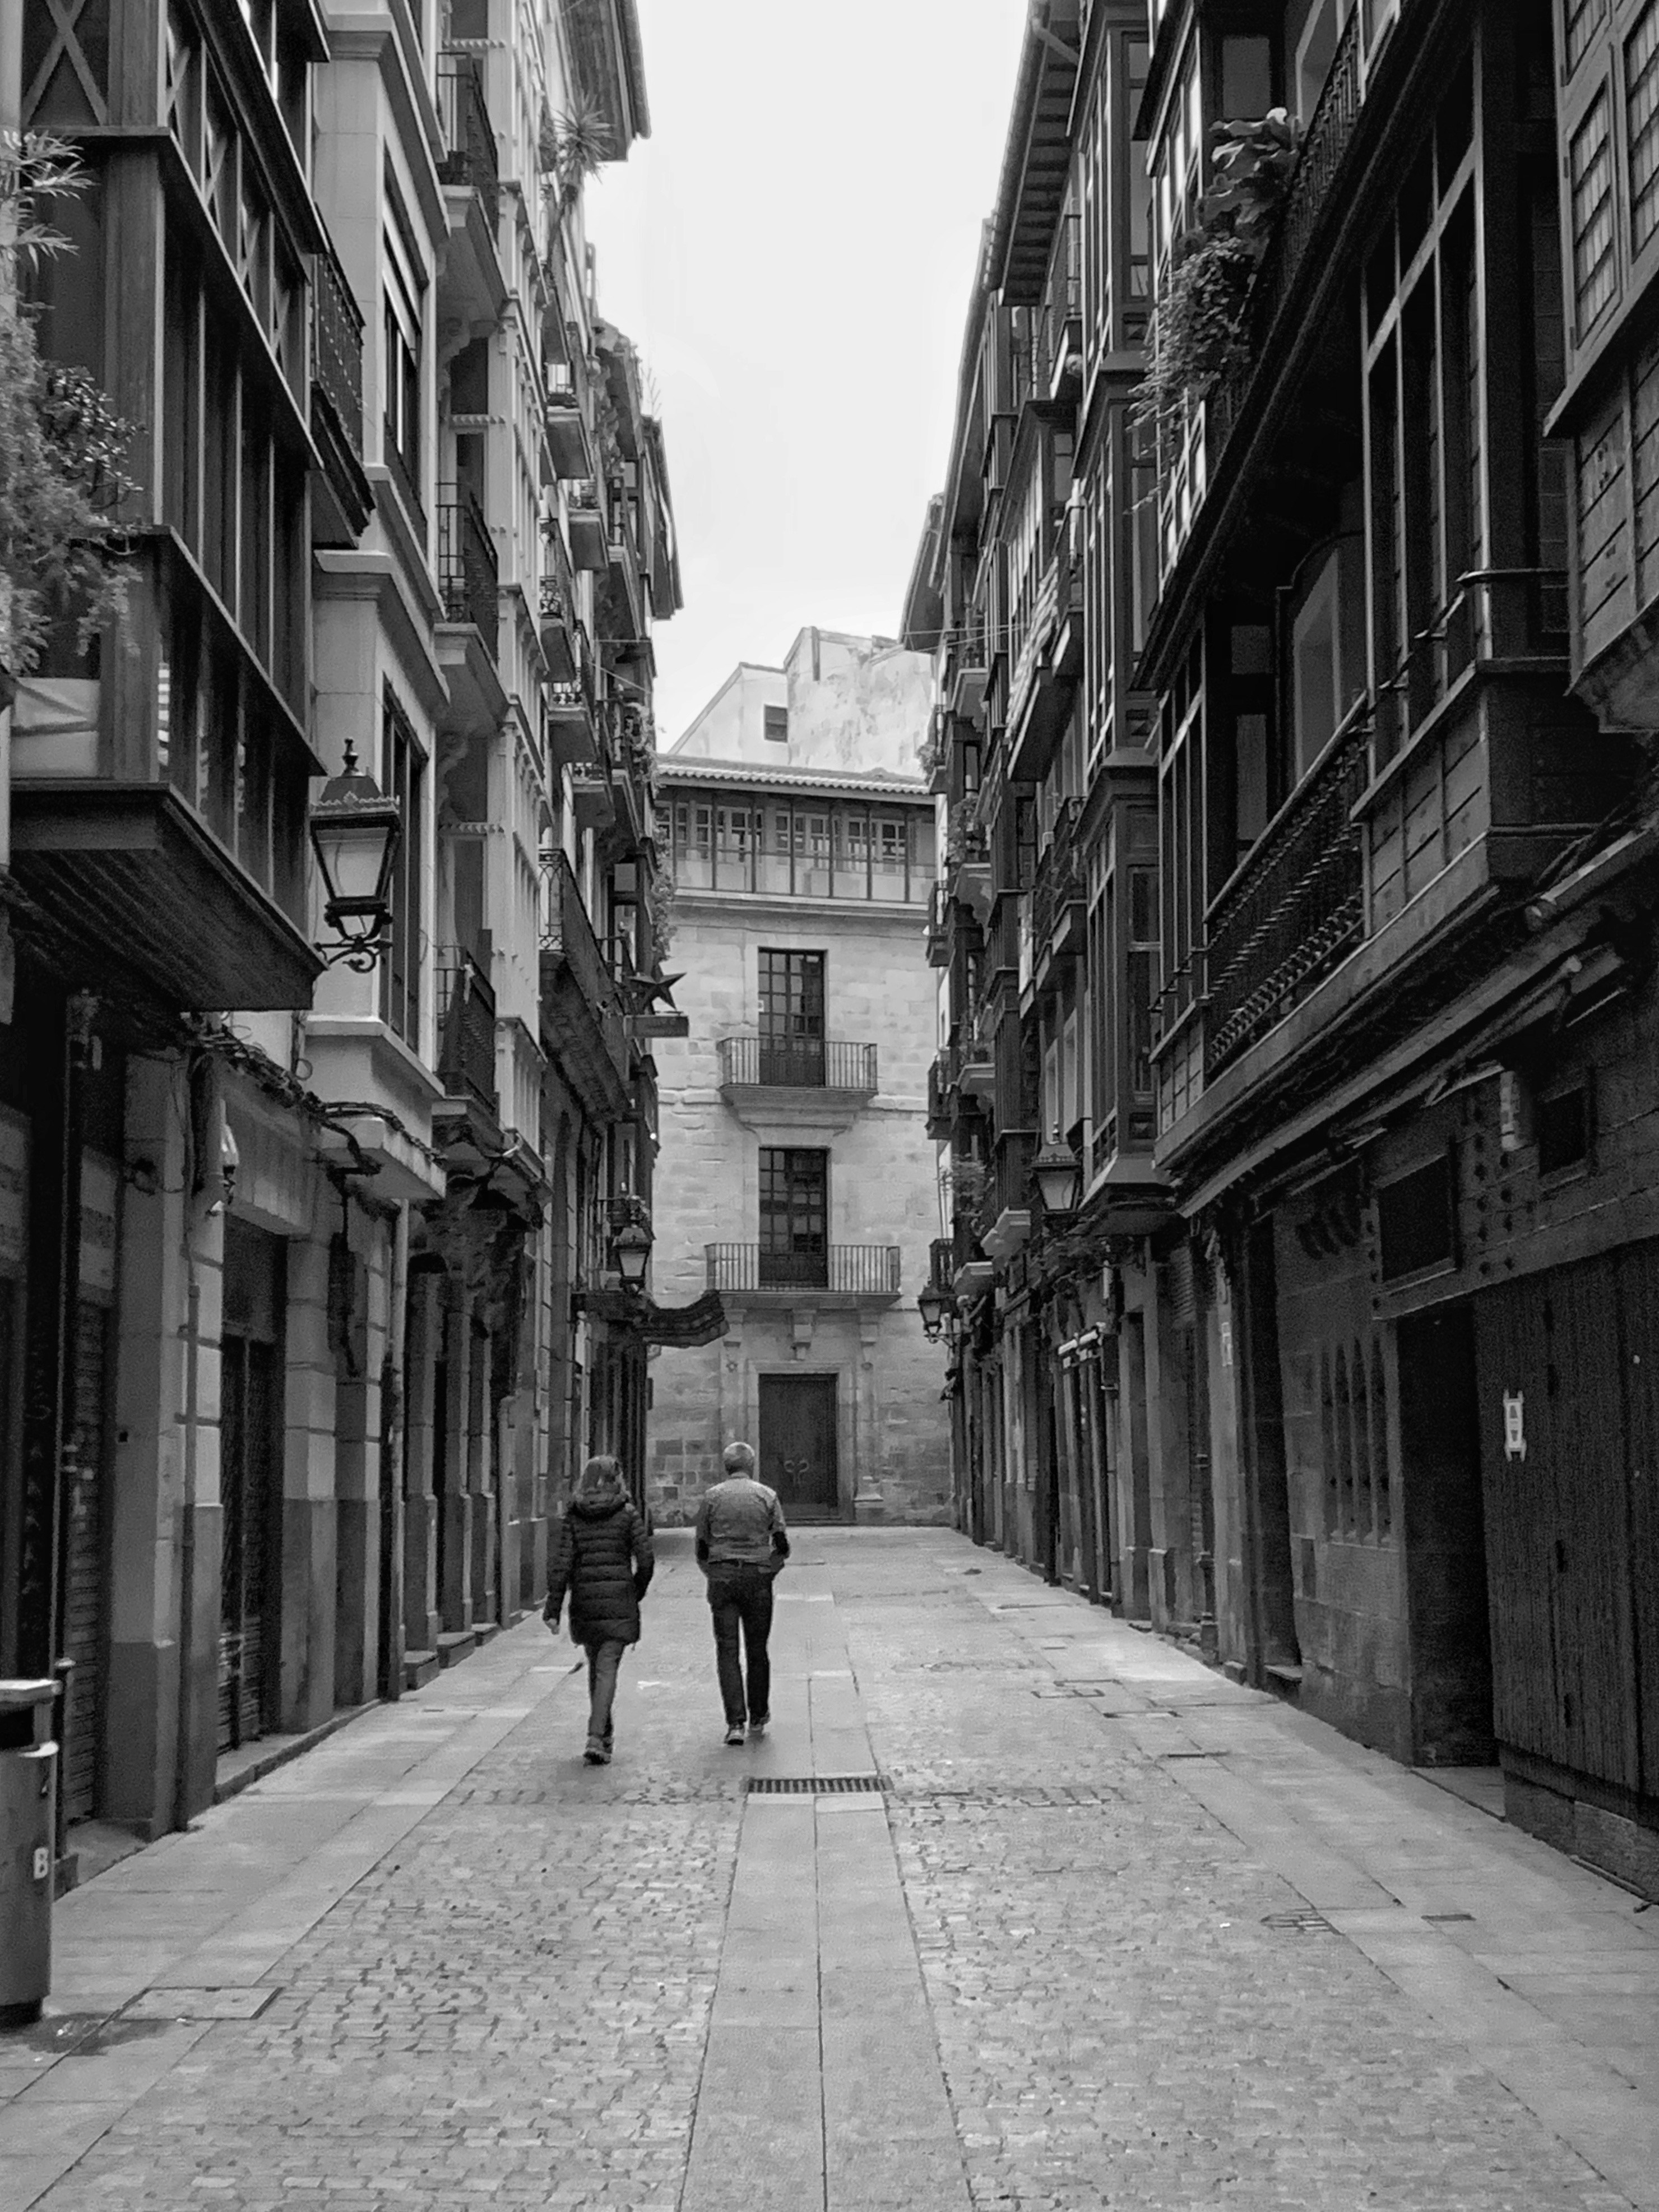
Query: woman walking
604, 1559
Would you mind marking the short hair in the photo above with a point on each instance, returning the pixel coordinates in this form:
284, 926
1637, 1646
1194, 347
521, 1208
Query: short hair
738, 1459
603, 1473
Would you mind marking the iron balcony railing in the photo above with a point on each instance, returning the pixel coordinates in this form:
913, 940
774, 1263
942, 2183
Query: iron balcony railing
337, 347
469, 135
1296, 905
568, 931
466, 1044
854, 1270
798, 1063
467, 569
1059, 881
941, 1263
1329, 133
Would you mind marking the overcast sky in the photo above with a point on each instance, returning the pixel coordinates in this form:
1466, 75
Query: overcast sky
793, 250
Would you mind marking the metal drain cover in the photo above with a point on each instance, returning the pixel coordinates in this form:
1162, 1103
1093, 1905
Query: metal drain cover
244, 2003
814, 1785
1305, 1922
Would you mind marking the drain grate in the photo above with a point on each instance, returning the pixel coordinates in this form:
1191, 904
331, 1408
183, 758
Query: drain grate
1304, 1922
814, 1785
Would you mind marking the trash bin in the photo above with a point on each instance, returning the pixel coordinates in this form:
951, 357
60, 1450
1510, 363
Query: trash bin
28, 1809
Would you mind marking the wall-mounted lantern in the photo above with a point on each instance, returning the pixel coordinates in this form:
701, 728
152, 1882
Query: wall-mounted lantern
355, 831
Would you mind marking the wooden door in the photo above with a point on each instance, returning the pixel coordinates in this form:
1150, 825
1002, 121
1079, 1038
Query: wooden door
1555, 1455
250, 1462
798, 1443
1638, 1311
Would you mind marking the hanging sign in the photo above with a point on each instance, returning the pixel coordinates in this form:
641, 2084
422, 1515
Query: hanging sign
1514, 1426
657, 1025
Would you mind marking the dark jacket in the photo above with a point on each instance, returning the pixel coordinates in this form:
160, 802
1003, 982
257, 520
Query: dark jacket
603, 1557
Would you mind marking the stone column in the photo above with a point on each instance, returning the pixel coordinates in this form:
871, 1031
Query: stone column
167, 1532
357, 1475
309, 1563
868, 1502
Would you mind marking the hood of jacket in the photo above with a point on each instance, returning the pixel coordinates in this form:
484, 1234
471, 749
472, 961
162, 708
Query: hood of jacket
600, 1508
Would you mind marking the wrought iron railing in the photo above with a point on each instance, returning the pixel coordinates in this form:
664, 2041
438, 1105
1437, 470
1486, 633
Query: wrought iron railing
1326, 141
568, 930
467, 1042
800, 1063
337, 347
1296, 905
469, 135
1060, 879
941, 1263
856, 1270
467, 570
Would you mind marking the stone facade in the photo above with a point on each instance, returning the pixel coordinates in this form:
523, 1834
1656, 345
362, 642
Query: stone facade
854, 1330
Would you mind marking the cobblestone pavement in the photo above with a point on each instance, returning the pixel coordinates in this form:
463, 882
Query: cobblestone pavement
1116, 1933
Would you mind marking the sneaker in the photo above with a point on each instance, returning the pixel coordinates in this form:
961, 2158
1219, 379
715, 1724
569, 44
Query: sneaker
759, 1726
597, 1754
734, 1733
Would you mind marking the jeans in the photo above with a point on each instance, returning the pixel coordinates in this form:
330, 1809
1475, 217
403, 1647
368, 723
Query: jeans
740, 1596
603, 1659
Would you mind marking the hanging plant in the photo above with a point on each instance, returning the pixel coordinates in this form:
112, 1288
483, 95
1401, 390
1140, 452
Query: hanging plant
1197, 338
63, 447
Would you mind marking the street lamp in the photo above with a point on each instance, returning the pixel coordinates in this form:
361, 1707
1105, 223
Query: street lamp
355, 831
631, 1254
934, 1304
1055, 1173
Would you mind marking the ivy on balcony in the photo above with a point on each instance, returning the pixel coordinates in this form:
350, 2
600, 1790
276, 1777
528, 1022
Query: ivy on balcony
1199, 334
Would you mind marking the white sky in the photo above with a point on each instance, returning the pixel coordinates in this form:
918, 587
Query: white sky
793, 250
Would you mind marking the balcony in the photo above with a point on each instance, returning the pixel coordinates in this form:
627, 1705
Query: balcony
581, 1015
1059, 337
1059, 909
568, 445
1296, 906
1049, 658
938, 931
559, 619
163, 872
466, 1031
343, 498
572, 718
797, 1064
940, 1110
851, 1274
962, 685
975, 1071
469, 135
467, 569
590, 540
1324, 145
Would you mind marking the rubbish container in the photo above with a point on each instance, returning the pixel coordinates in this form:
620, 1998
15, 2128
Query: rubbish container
28, 1808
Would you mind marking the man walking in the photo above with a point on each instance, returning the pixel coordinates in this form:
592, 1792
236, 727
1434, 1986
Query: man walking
742, 1545
604, 1557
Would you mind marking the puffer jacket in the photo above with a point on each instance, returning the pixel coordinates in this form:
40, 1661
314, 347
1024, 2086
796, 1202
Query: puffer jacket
603, 1558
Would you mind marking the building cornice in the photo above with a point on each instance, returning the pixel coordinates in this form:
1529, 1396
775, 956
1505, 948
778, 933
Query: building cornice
676, 770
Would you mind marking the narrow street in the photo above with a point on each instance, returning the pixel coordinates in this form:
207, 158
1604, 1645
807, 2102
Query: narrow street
1112, 1931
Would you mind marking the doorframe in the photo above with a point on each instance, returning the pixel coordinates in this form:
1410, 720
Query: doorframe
817, 1371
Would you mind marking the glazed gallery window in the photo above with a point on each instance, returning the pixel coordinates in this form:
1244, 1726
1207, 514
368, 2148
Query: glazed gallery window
794, 1217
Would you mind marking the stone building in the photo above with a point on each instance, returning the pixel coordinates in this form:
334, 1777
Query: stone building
796, 1177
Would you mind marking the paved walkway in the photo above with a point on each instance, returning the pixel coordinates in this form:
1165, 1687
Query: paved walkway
1115, 1932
